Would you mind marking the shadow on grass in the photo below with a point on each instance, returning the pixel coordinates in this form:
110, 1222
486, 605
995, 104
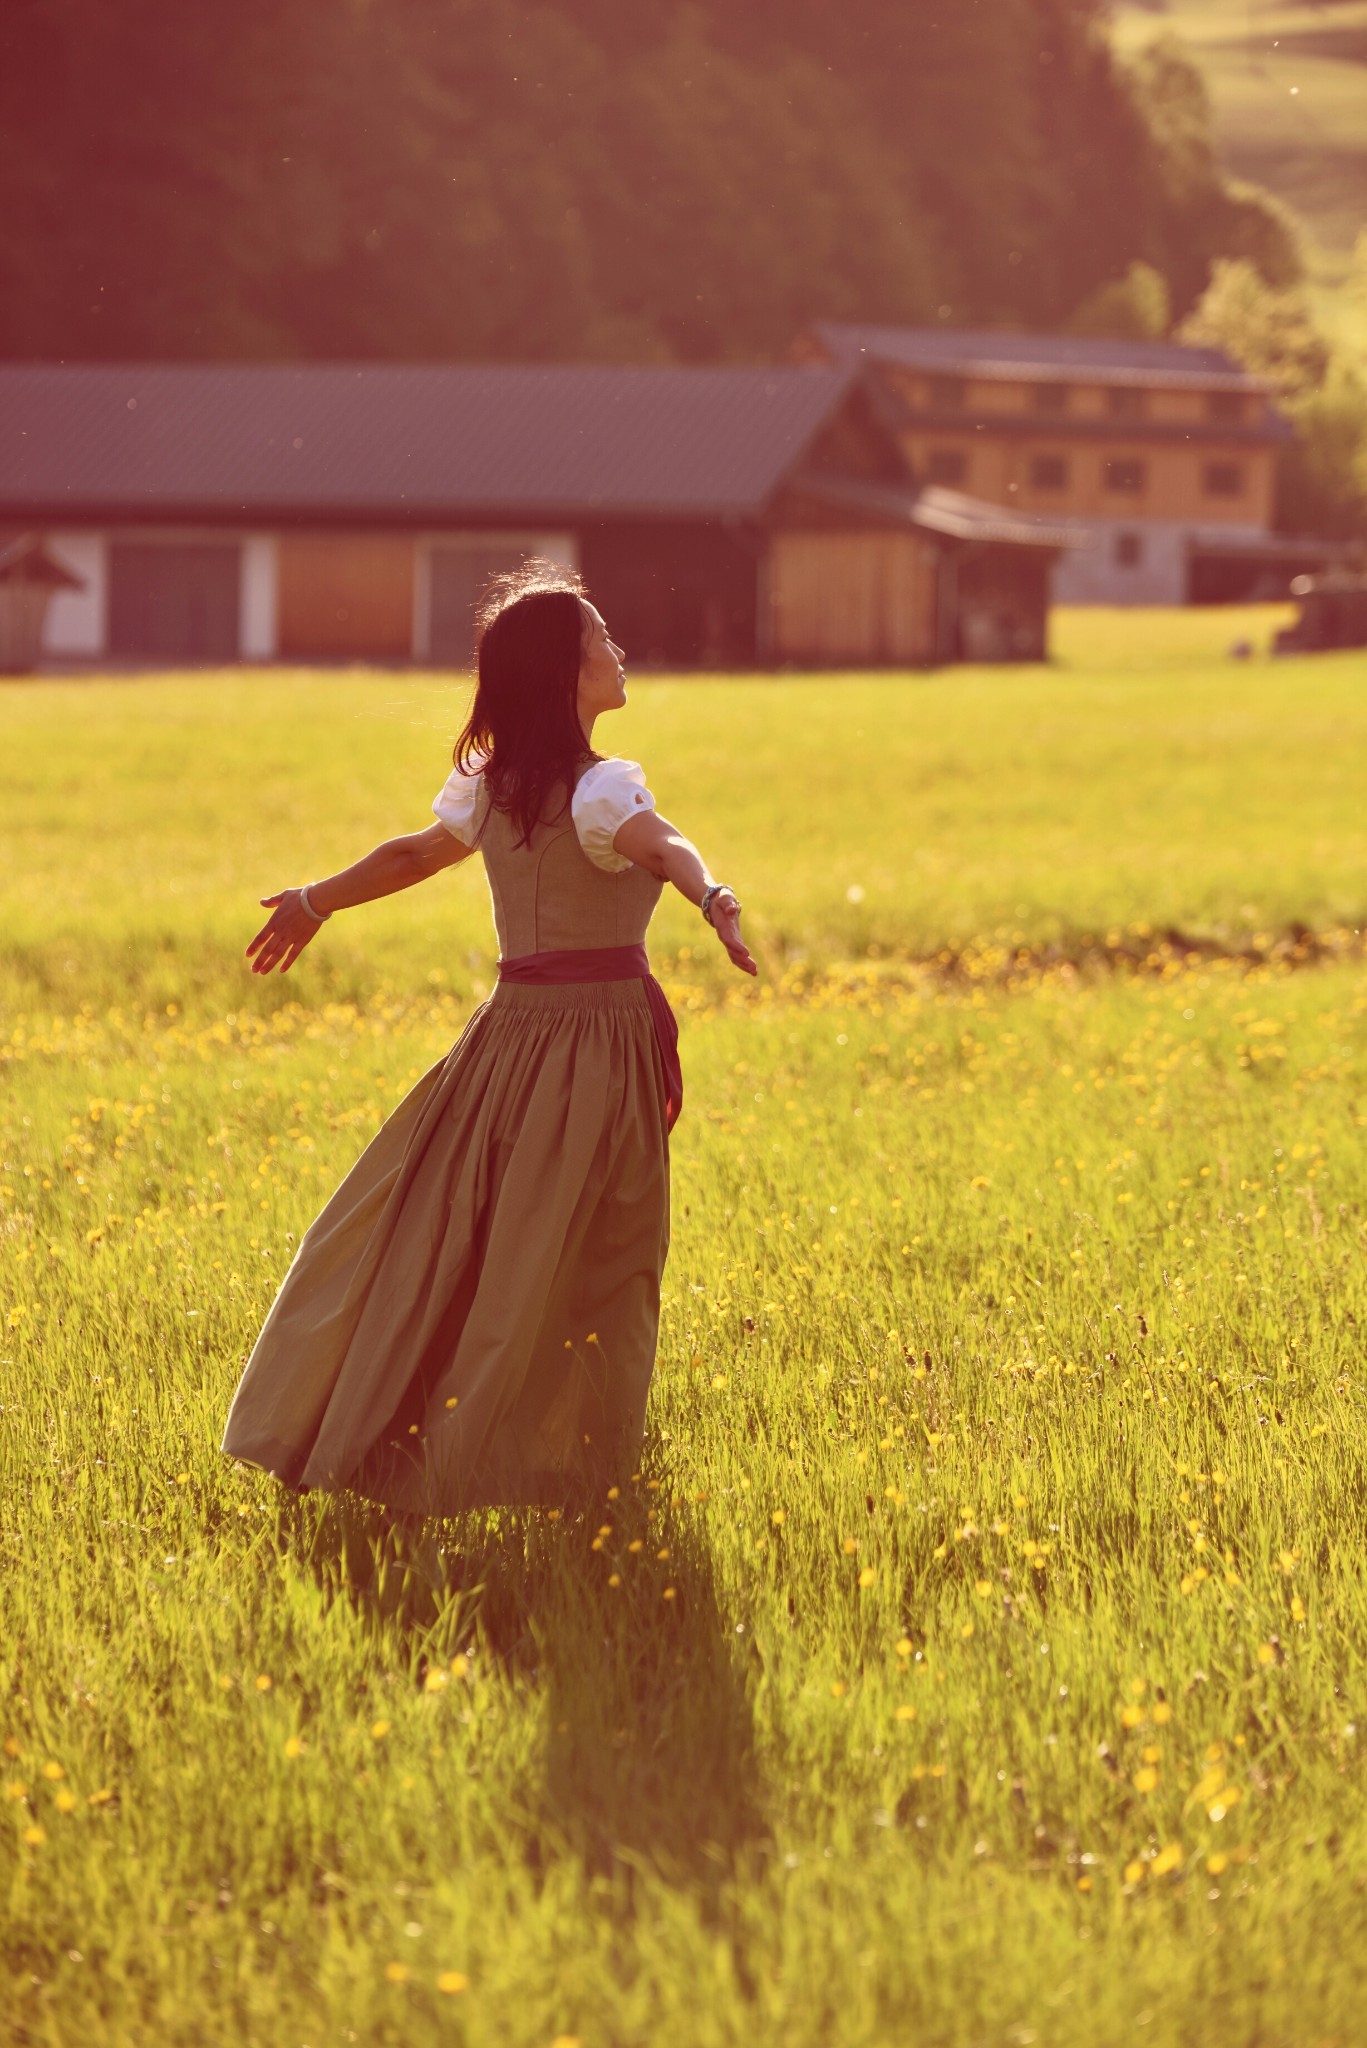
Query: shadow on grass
648, 1759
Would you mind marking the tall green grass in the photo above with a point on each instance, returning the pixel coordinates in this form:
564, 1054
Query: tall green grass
978, 1655
1144, 778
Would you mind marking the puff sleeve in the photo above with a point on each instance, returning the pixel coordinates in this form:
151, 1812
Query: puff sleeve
605, 797
458, 803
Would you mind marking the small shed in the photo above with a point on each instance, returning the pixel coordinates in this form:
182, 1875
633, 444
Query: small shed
29, 574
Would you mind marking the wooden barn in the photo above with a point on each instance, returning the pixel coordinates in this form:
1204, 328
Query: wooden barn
348, 513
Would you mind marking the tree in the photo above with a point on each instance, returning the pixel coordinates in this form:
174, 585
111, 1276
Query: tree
583, 179
1133, 307
1321, 388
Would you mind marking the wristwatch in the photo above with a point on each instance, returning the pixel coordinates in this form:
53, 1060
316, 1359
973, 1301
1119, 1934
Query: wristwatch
716, 889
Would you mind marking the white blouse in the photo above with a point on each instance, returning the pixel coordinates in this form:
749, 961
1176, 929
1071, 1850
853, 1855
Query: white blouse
605, 797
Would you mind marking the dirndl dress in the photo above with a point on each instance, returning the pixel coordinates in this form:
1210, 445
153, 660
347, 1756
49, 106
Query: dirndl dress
472, 1318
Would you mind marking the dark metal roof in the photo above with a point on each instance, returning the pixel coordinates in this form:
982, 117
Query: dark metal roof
963, 352
404, 441
938, 510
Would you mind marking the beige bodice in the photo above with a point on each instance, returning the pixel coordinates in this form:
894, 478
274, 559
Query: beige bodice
549, 897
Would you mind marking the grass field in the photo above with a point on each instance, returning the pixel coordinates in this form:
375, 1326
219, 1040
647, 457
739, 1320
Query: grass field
980, 1655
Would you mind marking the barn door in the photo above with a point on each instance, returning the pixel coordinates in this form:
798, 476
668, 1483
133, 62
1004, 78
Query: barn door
457, 575
174, 601
346, 596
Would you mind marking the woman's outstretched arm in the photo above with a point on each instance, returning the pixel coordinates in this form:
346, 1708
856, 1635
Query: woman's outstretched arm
397, 864
650, 841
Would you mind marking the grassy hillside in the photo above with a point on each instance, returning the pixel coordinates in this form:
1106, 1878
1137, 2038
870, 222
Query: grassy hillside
1288, 86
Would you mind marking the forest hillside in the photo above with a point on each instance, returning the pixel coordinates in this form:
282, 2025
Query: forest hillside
466, 179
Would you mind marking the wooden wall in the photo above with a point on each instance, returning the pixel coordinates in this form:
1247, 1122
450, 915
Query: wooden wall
1001, 469
675, 590
855, 596
999, 431
345, 596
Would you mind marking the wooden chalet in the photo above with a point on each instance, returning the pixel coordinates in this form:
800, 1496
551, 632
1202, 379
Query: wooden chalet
1162, 456
323, 512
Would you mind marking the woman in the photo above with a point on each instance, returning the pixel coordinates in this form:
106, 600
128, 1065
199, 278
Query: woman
472, 1318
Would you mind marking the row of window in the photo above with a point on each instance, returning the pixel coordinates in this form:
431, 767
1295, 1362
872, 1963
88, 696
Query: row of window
1121, 401
1126, 476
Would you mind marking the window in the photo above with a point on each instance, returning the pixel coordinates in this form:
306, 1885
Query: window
946, 394
1051, 398
1226, 406
1048, 473
1125, 474
1223, 479
1128, 552
947, 466
1125, 401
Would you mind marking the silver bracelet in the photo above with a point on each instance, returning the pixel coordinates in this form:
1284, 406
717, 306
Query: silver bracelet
318, 916
716, 889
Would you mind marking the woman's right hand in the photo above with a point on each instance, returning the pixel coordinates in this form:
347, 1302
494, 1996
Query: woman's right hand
726, 923
284, 935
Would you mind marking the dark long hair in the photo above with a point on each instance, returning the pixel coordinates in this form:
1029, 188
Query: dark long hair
524, 722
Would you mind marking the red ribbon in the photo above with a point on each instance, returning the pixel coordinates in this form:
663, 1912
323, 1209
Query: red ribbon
610, 963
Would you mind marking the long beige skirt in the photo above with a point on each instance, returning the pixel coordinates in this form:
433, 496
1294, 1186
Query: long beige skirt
472, 1318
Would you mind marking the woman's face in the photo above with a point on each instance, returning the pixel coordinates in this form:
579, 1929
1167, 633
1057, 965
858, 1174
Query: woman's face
602, 678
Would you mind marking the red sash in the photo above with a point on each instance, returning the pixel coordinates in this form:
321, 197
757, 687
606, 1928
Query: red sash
610, 963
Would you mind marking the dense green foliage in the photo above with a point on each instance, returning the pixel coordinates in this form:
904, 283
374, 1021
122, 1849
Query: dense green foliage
979, 1654
1320, 380
496, 179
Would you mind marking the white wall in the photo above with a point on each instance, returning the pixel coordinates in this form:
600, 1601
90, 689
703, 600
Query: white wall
258, 635
1094, 576
77, 620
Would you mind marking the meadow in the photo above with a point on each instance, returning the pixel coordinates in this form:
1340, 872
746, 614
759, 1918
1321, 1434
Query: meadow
979, 1655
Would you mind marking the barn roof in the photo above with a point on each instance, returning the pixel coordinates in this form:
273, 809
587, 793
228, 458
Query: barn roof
938, 510
1043, 357
404, 440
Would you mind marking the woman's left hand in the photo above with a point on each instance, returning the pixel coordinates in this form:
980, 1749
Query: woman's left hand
284, 935
726, 923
